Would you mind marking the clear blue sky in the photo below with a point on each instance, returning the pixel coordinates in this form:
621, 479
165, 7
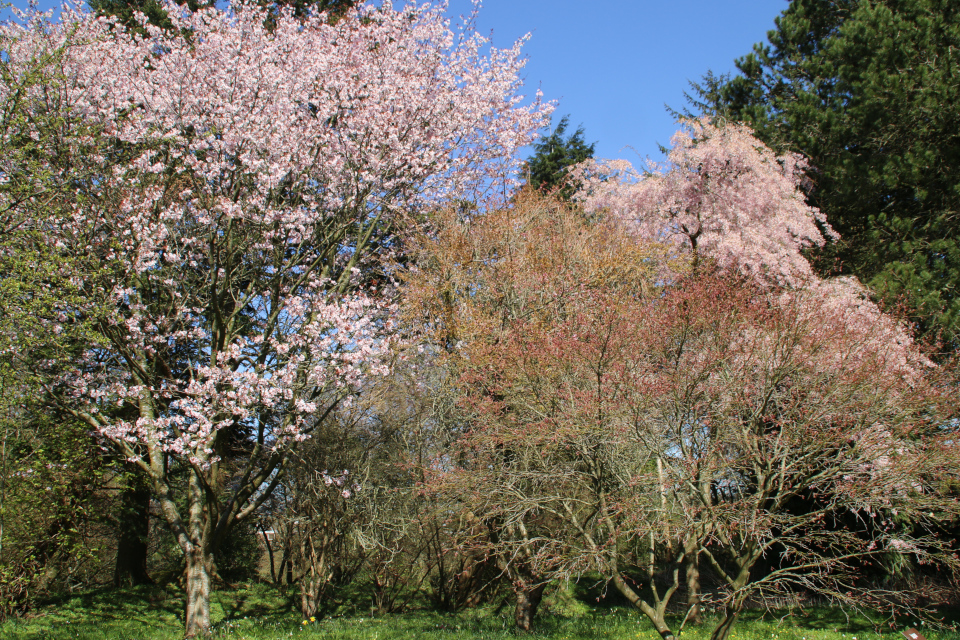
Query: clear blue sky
613, 64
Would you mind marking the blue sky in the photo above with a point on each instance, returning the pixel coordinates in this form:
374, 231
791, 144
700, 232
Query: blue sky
613, 64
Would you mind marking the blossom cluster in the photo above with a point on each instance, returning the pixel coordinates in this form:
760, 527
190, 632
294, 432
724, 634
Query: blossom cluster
244, 170
725, 197
722, 193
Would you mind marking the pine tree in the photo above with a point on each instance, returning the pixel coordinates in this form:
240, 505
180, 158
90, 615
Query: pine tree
868, 91
553, 155
156, 15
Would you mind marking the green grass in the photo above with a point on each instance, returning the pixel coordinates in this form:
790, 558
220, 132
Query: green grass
260, 613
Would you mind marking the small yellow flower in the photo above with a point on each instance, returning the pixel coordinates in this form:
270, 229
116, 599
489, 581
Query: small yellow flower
312, 619
305, 622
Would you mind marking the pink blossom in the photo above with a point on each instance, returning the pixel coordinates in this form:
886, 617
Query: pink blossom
230, 245
722, 194
725, 196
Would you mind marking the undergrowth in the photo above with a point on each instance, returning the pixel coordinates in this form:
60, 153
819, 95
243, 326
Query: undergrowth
258, 612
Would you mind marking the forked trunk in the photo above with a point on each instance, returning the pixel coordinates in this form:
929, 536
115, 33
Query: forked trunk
310, 589
528, 602
656, 615
723, 629
314, 577
660, 624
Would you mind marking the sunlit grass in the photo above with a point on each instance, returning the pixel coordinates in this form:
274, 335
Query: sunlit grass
260, 613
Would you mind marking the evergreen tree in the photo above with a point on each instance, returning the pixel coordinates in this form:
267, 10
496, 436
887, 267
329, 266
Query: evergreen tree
553, 154
157, 15
303, 8
124, 11
868, 91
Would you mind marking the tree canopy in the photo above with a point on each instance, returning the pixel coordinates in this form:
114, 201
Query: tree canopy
247, 171
125, 11
669, 369
868, 92
554, 155
153, 10
267, 266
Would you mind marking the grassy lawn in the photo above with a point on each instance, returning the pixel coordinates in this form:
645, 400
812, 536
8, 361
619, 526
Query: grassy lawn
259, 613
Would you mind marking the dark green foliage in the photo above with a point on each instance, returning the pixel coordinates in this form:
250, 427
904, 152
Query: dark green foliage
132, 525
156, 15
54, 490
153, 9
870, 93
305, 8
553, 154
239, 554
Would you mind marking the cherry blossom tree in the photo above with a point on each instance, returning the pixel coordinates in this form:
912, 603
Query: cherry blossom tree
244, 182
722, 194
620, 425
498, 297
659, 381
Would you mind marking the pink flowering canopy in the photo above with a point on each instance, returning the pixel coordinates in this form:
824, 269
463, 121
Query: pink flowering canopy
247, 180
225, 200
726, 196
722, 194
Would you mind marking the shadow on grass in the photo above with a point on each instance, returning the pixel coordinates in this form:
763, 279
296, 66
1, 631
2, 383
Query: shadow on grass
111, 603
260, 612
822, 618
144, 611
259, 601
813, 618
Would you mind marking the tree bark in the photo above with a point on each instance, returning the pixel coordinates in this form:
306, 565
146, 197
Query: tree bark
655, 614
199, 561
198, 595
310, 596
314, 574
730, 614
693, 589
737, 599
528, 602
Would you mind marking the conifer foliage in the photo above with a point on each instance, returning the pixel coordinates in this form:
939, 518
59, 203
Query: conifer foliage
547, 169
867, 92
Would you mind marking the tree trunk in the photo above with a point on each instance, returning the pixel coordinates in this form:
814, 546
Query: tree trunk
730, 613
693, 589
199, 559
133, 528
313, 574
310, 587
528, 602
467, 588
660, 624
656, 615
198, 594
738, 596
